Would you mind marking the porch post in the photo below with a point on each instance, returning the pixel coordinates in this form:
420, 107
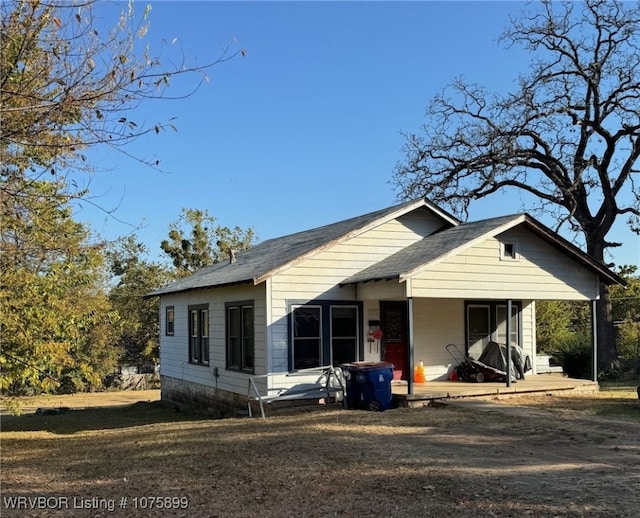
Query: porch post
411, 360
508, 332
594, 341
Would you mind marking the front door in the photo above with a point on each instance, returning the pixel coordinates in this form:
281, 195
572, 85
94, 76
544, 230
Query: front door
393, 320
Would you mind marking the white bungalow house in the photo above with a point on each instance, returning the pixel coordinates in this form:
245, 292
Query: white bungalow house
412, 272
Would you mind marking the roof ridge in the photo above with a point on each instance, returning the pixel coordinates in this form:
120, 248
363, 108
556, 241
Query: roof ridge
495, 218
267, 257
368, 215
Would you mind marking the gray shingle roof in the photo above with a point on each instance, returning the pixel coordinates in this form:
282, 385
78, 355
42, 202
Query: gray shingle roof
452, 240
429, 249
266, 258
259, 261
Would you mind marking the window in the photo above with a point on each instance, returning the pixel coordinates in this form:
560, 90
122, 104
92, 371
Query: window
324, 333
486, 321
501, 319
169, 320
307, 338
240, 336
508, 251
199, 334
478, 328
344, 334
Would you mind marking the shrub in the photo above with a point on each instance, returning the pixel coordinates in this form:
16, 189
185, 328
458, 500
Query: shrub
628, 340
574, 353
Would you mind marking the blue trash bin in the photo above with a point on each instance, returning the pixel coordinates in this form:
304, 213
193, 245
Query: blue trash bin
369, 385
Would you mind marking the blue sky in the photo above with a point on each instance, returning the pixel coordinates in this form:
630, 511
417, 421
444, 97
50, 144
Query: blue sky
305, 129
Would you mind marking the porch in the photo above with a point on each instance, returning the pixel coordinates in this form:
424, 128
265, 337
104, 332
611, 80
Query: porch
423, 393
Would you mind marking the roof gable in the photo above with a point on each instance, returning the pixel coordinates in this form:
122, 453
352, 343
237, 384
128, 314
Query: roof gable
452, 241
431, 249
269, 257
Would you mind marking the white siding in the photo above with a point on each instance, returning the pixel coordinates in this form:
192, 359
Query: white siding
529, 329
371, 311
318, 276
436, 324
382, 290
174, 350
540, 272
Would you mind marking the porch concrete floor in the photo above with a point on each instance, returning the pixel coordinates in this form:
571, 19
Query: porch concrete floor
540, 383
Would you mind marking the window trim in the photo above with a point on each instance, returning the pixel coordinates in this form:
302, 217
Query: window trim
517, 308
357, 335
325, 330
294, 307
203, 324
509, 255
493, 318
468, 306
240, 306
169, 330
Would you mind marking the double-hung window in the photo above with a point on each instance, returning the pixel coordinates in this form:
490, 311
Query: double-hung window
324, 333
240, 336
344, 334
487, 321
501, 323
199, 334
307, 337
169, 320
478, 328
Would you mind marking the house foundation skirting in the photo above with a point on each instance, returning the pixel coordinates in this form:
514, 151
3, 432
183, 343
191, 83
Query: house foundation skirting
202, 397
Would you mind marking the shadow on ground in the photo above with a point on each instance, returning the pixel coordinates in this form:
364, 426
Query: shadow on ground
105, 418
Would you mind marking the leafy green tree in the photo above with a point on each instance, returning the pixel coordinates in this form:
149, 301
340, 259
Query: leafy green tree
564, 328
57, 322
567, 136
626, 314
195, 241
69, 81
553, 324
138, 326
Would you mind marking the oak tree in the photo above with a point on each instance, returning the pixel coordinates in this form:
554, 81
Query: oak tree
568, 135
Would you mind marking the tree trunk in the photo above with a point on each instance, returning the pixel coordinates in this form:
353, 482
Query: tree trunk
607, 350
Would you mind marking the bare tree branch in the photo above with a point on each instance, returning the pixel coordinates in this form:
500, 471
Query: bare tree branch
569, 135
67, 84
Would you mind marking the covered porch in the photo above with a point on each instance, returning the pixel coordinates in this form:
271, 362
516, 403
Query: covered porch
468, 286
423, 393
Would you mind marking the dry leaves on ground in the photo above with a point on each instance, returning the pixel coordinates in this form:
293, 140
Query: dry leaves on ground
325, 462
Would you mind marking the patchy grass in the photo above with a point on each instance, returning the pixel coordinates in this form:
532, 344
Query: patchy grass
99, 418
322, 462
624, 385
27, 405
612, 403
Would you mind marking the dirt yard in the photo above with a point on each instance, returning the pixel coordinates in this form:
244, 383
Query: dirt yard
463, 460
